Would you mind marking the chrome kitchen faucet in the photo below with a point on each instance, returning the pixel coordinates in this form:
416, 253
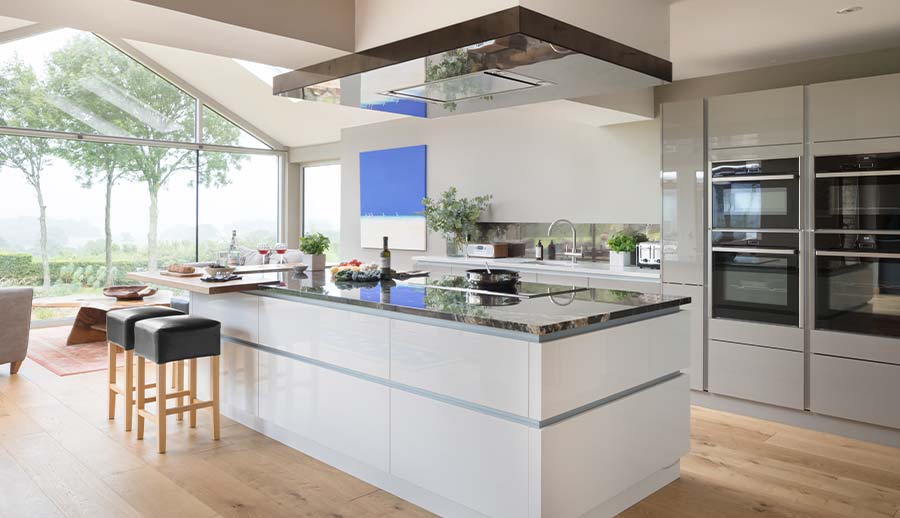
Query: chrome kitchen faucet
575, 252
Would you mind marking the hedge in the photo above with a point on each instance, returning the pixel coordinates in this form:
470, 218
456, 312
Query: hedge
23, 270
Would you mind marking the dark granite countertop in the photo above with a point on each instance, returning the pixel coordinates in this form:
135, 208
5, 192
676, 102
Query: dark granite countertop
542, 317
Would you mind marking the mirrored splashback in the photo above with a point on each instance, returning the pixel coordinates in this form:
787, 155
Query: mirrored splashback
592, 237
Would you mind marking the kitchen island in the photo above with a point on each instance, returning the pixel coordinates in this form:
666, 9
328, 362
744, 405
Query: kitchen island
554, 401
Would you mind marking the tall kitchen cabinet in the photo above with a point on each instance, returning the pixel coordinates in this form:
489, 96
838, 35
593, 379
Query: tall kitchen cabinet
864, 108
683, 223
750, 354
855, 373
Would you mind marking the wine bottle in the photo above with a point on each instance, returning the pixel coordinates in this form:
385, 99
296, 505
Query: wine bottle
385, 260
539, 251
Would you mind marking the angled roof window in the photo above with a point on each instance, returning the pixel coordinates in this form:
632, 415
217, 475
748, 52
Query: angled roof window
74, 81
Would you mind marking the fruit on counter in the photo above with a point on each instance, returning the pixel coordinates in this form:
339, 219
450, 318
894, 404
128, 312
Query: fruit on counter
355, 266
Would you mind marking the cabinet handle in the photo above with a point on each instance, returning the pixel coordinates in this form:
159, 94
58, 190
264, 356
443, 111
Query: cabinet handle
851, 174
874, 255
760, 178
737, 250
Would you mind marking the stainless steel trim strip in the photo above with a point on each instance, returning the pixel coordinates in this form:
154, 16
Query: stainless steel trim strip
475, 407
874, 255
850, 174
750, 250
755, 178
857, 231
761, 230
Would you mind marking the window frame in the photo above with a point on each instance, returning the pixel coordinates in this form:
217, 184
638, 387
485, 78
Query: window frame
200, 99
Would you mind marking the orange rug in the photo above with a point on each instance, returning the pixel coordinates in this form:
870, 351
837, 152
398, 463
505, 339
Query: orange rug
48, 348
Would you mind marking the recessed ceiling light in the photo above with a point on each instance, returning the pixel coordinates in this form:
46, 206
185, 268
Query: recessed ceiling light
848, 10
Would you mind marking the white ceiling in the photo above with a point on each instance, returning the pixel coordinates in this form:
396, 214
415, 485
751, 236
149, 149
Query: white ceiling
707, 37
718, 36
8, 24
138, 21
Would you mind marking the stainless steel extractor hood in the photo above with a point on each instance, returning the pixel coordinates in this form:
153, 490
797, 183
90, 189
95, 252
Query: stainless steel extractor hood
508, 58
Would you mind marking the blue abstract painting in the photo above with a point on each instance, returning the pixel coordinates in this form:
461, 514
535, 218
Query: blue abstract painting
391, 188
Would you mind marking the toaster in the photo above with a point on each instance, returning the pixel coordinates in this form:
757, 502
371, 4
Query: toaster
492, 250
649, 254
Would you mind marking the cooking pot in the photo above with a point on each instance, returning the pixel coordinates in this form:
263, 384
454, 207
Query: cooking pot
493, 278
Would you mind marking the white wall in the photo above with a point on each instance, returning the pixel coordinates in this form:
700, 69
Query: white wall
536, 169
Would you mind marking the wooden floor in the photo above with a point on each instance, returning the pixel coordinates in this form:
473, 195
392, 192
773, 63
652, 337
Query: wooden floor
60, 456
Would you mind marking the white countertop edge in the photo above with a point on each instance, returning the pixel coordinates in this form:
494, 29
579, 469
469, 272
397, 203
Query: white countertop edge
584, 269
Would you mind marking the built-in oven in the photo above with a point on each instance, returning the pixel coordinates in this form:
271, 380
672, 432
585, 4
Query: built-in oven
755, 194
756, 277
857, 283
858, 192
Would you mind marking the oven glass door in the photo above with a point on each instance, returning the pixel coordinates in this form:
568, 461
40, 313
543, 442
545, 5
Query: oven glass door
858, 284
869, 201
755, 204
756, 277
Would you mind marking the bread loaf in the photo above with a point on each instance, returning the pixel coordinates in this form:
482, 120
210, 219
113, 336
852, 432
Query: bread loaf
181, 268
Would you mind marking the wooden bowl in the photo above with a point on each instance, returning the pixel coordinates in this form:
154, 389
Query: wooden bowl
129, 292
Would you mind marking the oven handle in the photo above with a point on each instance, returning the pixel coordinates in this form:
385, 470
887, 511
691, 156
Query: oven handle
874, 255
762, 178
850, 174
749, 250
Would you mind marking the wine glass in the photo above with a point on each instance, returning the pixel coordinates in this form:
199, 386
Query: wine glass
263, 249
280, 249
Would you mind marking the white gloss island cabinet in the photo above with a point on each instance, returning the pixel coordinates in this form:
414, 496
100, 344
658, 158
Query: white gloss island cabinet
462, 419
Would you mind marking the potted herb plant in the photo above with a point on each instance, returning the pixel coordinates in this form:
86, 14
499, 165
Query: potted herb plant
622, 245
313, 248
454, 218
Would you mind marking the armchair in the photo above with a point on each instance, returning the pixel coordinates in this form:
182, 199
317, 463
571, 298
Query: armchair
15, 324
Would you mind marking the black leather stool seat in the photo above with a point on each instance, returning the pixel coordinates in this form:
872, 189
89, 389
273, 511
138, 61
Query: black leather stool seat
120, 322
173, 338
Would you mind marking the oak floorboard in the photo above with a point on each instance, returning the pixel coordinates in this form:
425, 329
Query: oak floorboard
22, 497
840, 448
68, 483
289, 477
153, 494
61, 456
882, 500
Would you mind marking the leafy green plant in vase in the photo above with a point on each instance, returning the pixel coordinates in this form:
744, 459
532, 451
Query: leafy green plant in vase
454, 218
312, 249
622, 245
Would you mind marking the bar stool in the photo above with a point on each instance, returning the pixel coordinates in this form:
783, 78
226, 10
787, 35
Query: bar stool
120, 335
171, 339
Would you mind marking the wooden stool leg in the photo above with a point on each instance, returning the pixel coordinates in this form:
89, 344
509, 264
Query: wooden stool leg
174, 375
111, 348
192, 388
179, 386
161, 408
141, 383
129, 388
214, 394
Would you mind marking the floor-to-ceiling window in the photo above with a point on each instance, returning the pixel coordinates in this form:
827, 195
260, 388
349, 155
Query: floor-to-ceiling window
103, 171
322, 204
